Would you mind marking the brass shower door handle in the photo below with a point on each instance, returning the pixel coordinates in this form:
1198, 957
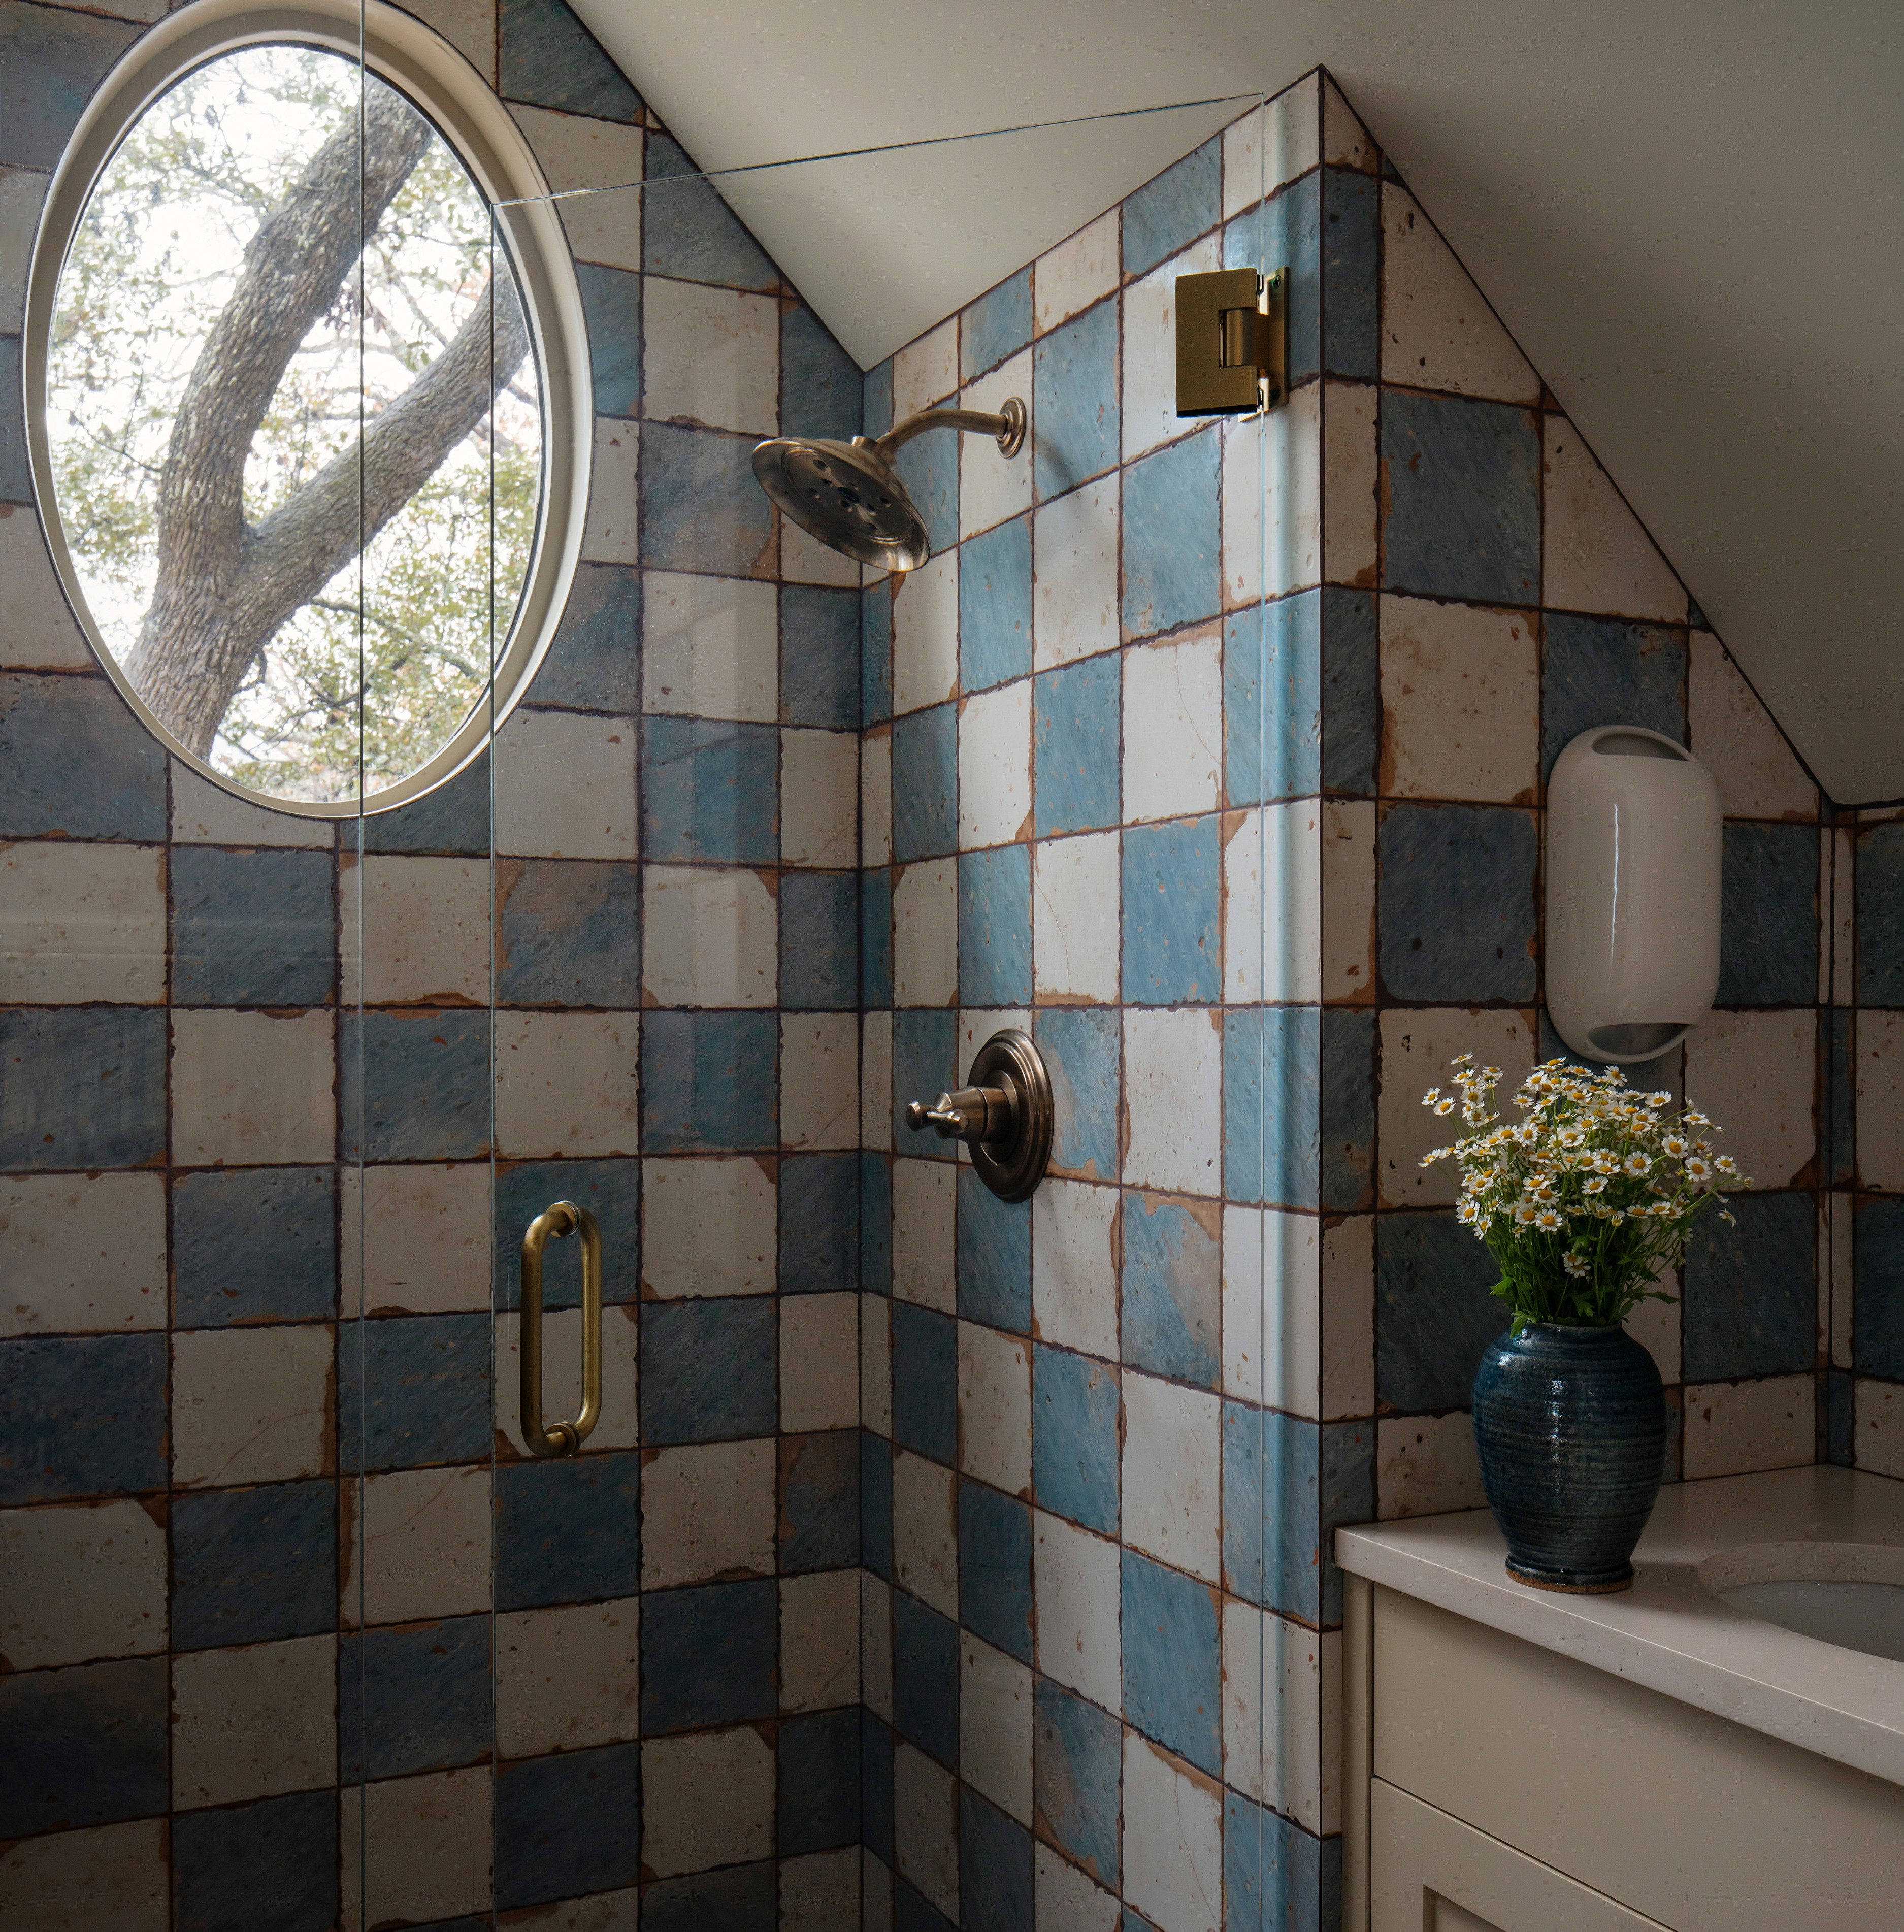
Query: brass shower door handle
560, 1438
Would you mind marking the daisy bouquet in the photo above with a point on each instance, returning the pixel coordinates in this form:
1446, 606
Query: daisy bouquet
1586, 1199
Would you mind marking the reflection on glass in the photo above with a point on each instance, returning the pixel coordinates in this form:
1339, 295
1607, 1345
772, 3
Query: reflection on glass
296, 433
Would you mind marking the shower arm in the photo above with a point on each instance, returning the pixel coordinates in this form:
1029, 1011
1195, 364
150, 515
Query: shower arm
1007, 428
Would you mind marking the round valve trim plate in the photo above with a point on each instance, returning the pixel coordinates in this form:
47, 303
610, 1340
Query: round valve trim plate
1013, 1168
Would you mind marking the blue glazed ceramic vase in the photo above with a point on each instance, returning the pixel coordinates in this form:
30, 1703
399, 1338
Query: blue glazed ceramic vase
1571, 1424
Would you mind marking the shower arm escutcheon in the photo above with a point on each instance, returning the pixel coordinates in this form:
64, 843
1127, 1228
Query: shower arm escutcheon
560, 1438
1005, 1115
1007, 428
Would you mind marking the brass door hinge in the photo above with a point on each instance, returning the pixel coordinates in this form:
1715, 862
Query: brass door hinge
1230, 342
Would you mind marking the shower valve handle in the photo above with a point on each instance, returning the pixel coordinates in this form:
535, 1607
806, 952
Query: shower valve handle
1006, 1117
973, 1114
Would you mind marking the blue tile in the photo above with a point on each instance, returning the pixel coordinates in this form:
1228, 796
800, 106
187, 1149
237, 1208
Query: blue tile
1768, 942
1434, 1310
83, 1416
1073, 1437
876, 1785
818, 1223
1878, 1288
876, 1223
1287, 1485
876, 1503
250, 1566
821, 388
1074, 402
925, 789
994, 1568
568, 1824
253, 1244
701, 509
819, 1762
610, 1189
416, 1085
928, 466
708, 1656
454, 818
998, 325
1173, 1288
710, 1082
252, 928
876, 417
81, 1087
925, 1678
1173, 1661
819, 656
876, 652
1076, 726
1346, 1130
550, 59
995, 1890
1276, 648
52, 59
567, 933
1351, 692
611, 306
994, 606
415, 1389
994, 927
83, 1746
567, 1532
1165, 215
1878, 884
1082, 1047
994, 1257
1172, 568
594, 661
925, 1381
820, 940
1271, 1057
875, 938
1287, 232
73, 760
1600, 671
688, 231
1275, 1874
1462, 489
1457, 887
16, 474
820, 1500
413, 1699
708, 1370
741, 1898
710, 790
1837, 1420
913, 1912
270, 1867
925, 1054
1751, 1289
1352, 274
1173, 890
1076, 1778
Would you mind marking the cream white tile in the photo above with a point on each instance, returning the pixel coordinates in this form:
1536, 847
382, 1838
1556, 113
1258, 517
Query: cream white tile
1173, 766
925, 1531
805, 560
429, 1841
1270, 145
252, 1722
1148, 414
422, 1545
1345, 141
1074, 1267
875, 1892
1348, 1317
819, 1080
600, 1911
81, 923
1460, 692
613, 533
1878, 1425
470, 26
711, 356
113, 1875
40, 634
876, 1644
876, 797
992, 486
926, 371
820, 1640
876, 1080
1273, 465
250, 1406
1437, 330
1733, 1427
1732, 734
204, 814
1595, 554
1275, 1755
252, 1088
1173, 1840
1172, 1081
1351, 522
568, 1678
923, 1195
994, 1408
925, 933
1065, 1898
925, 635
876, 1363
710, 937
994, 767
1081, 269
1348, 901
820, 798
1075, 1582
710, 647
84, 1581
564, 787
819, 1362
707, 1511
1273, 933
925, 1827
1272, 1339
414, 930
708, 1227
819, 1892
994, 1725
1417, 1050
1756, 1075
1074, 888
1172, 1475
1426, 1464
22, 192
86, 1253
567, 1084
1074, 581
618, 1425
1656, 1326
578, 152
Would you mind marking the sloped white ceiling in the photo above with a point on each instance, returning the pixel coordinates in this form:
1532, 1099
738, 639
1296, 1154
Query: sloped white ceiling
1691, 212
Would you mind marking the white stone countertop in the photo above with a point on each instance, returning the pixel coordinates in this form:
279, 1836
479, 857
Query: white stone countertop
1668, 1632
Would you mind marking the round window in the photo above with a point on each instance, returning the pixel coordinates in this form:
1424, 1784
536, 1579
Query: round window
307, 443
